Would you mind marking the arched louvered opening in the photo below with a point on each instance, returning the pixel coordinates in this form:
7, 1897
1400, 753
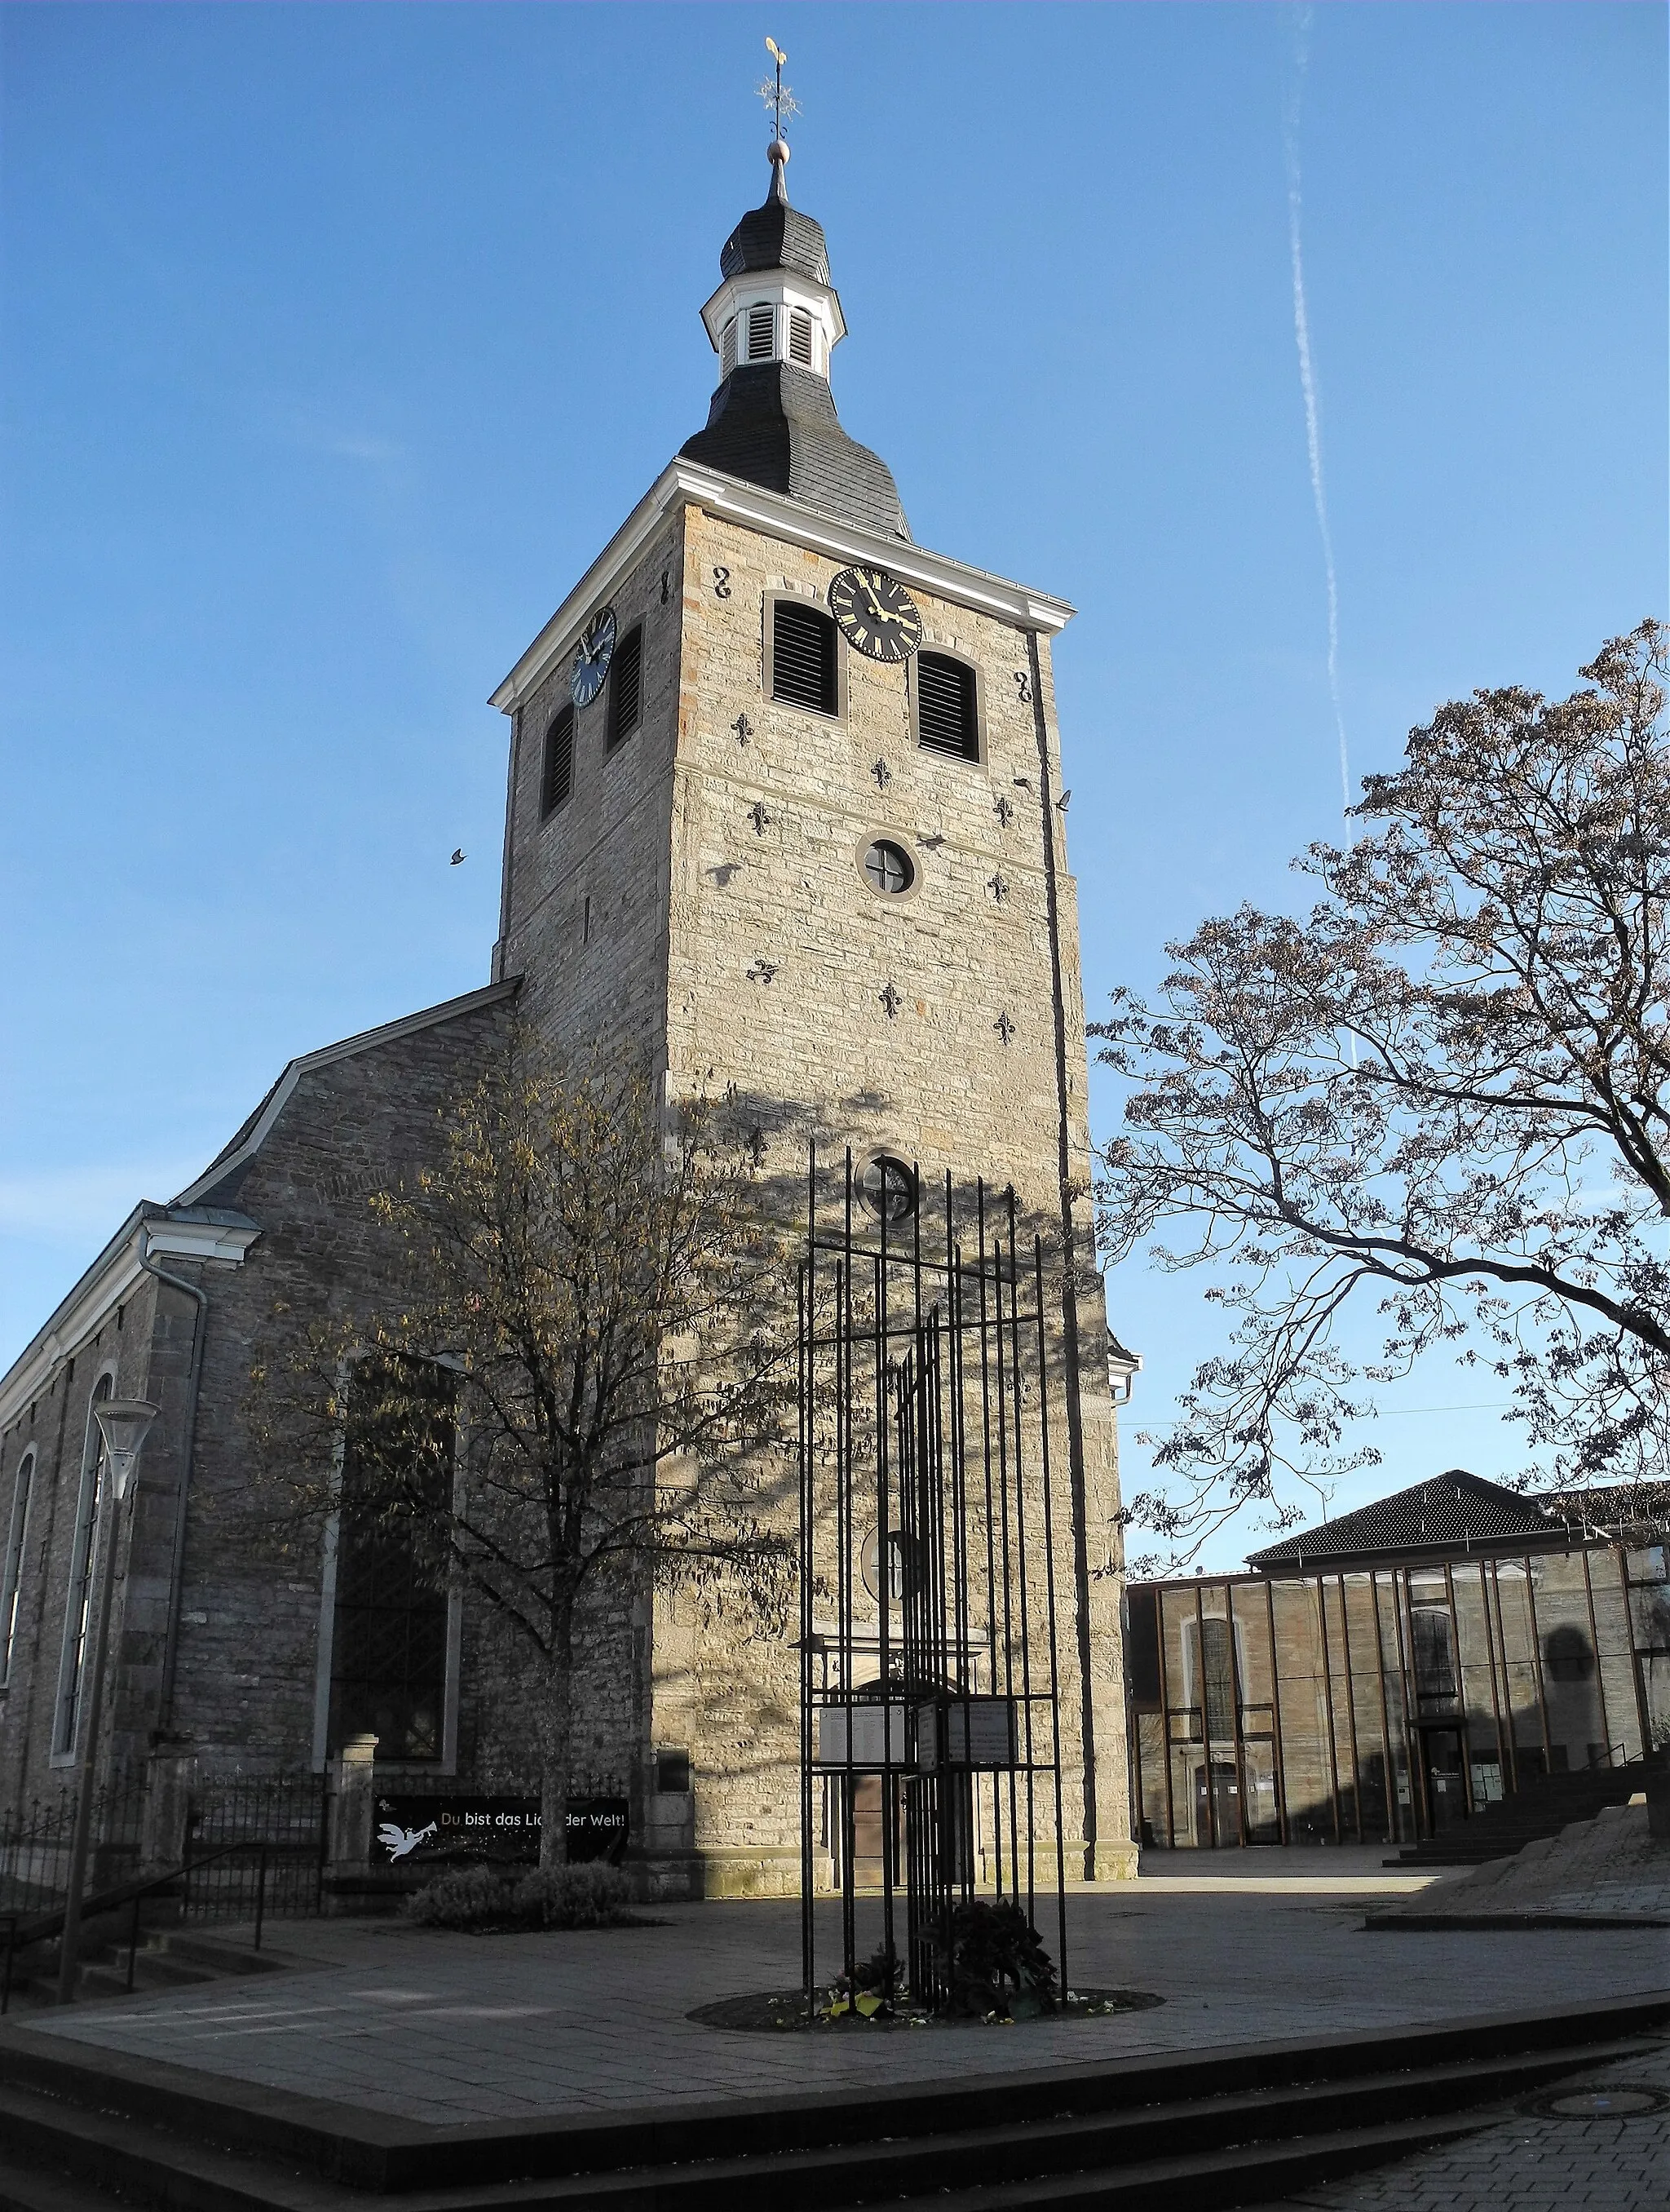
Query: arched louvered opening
799, 337
727, 348
557, 779
626, 687
804, 668
762, 332
947, 706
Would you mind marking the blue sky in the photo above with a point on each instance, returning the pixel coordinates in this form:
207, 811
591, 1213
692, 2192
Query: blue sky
337, 338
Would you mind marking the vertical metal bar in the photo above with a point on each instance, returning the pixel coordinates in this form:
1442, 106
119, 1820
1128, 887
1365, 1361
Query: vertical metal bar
1022, 1560
991, 1519
260, 1893
1049, 1595
1385, 1717
1536, 1662
1328, 1700
1351, 1704
1493, 1643
1638, 1672
1165, 1718
1462, 1730
845, 1476
1004, 1553
1235, 1717
1275, 1713
808, 1545
1594, 1646
890, 1815
965, 1656
1420, 1797
1205, 1711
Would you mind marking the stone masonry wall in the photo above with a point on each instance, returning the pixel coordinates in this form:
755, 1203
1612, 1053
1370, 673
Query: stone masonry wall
922, 1026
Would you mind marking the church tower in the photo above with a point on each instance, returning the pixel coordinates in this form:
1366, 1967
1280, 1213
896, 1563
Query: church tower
785, 813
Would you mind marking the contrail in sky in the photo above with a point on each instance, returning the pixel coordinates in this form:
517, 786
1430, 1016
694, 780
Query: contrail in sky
1290, 108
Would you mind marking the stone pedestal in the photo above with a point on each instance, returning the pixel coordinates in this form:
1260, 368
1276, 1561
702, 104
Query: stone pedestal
167, 1810
349, 1886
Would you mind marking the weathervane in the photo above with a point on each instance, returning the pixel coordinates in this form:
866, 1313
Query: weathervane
776, 95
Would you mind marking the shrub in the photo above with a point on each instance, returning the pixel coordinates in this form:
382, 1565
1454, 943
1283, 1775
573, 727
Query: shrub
591, 1895
479, 1899
997, 1963
464, 1896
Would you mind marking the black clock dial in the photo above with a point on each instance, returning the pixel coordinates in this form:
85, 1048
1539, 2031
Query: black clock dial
593, 657
877, 614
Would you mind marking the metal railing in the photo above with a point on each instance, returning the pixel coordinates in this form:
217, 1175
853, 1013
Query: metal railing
22, 1931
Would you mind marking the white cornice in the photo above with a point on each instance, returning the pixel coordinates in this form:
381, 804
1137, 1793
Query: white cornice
172, 1238
684, 483
186, 1229
150, 1231
774, 284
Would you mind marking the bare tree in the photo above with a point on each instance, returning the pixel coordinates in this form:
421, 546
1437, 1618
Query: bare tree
578, 1381
1445, 1094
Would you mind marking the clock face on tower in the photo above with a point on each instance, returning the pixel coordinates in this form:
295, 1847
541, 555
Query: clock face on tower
877, 614
592, 660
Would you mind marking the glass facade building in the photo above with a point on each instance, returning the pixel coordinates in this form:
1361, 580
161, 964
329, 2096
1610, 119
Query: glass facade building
1383, 1677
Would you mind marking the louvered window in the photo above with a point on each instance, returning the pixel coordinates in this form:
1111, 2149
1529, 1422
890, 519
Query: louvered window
558, 779
626, 687
802, 657
760, 331
947, 708
800, 336
727, 348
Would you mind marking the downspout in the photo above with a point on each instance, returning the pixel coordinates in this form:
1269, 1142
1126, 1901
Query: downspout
177, 1565
1081, 1558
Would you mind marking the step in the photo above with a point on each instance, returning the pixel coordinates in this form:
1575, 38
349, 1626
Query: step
1233, 2101
1023, 2165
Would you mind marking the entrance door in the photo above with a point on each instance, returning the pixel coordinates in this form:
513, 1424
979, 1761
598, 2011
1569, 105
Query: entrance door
868, 1831
1445, 1777
1225, 1806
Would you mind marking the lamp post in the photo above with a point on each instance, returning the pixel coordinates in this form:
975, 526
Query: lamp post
123, 1423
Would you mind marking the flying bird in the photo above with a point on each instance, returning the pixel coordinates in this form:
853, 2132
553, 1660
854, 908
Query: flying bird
457, 856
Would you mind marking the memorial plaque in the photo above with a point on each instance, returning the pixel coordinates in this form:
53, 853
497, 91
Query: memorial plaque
968, 1732
861, 1725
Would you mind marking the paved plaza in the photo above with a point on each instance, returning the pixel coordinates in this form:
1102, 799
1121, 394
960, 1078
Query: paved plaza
1529, 2162
448, 2028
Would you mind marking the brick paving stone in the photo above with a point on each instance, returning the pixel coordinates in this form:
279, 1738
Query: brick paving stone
425, 2025
1528, 2163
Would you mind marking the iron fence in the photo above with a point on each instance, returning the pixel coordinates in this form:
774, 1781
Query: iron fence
35, 1841
256, 1841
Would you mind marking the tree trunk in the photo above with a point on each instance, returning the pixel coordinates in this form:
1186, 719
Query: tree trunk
557, 1734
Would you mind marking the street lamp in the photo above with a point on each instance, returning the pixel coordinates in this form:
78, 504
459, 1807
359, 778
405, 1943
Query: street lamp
123, 1423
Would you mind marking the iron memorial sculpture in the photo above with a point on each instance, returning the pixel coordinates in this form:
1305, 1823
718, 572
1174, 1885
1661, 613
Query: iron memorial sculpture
930, 1746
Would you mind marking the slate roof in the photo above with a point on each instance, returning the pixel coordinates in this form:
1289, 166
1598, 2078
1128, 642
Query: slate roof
776, 236
774, 424
1457, 1512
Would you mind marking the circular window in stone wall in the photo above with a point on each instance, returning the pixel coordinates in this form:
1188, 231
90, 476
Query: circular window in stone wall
888, 868
888, 1187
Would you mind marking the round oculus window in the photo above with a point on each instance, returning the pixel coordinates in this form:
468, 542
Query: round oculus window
888, 1188
889, 868
904, 1565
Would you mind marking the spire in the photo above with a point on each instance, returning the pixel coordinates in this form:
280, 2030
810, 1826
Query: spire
773, 322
